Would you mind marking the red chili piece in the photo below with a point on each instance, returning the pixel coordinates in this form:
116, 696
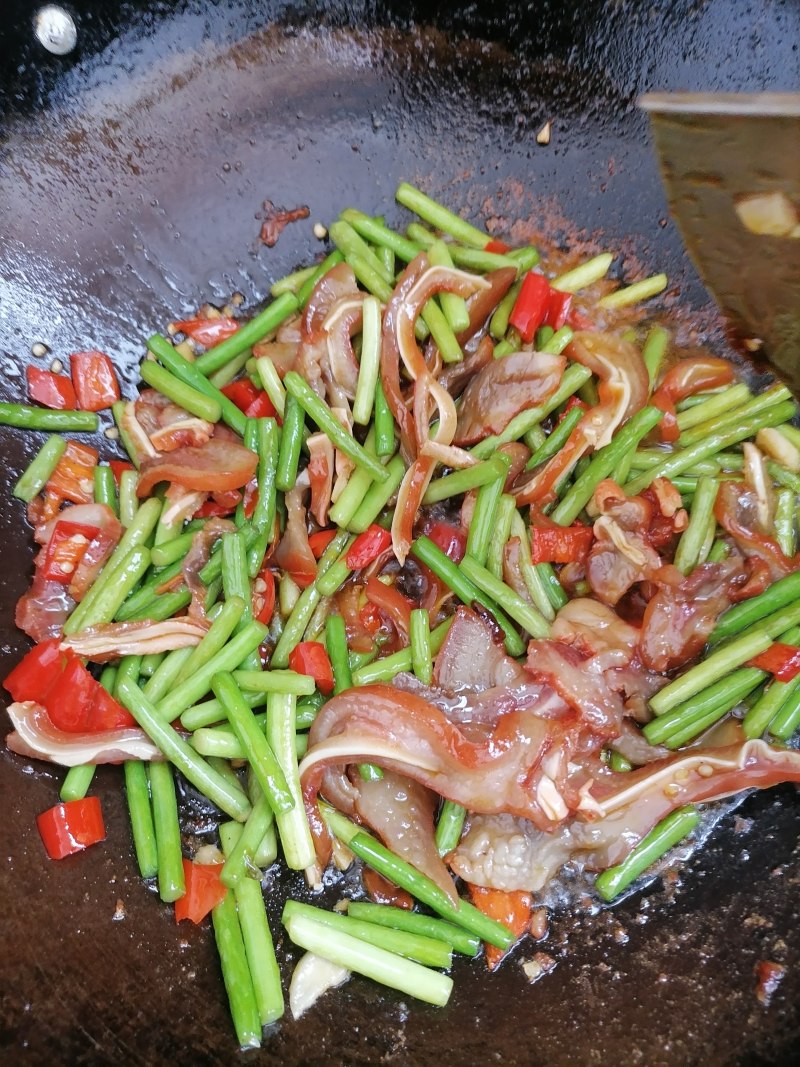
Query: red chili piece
368, 546
52, 390
96, 385
781, 661
311, 657
208, 332
71, 827
204, 891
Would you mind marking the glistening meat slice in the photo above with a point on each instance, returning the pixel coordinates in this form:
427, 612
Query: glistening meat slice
197, 557
470, 659
35, 736
596, 630
510, 853
580, 681
398, 731
486, 706
684, 611
621, 554
112, 640
218, 465
169, 426
401, 812
502, 389
293, 553
43, 610
622, 391
737, 512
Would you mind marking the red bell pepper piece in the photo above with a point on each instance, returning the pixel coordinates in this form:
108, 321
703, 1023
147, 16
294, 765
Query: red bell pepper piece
96, 385
311, 657
77, 703
264, 595
557, 309
531, 306
242, 392
560, 544
320, 540
781, 661
38, 671
118, 466
71, 827
65, 549
500, 247
52, 390
261, 408
204, 891
368, 546
208, 332
452, 540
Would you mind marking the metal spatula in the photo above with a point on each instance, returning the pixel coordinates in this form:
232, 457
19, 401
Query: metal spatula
731, 167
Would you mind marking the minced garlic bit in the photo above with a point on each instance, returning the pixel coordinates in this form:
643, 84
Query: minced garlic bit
112, 433
768, 214
39, 350
543, 136
56, 366
320, 231
705, 770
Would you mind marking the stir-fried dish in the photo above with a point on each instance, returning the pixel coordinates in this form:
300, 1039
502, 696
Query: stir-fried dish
445, 565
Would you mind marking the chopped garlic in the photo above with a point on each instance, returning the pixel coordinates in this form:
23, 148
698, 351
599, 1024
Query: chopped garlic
778, 447
768, 214
543, 136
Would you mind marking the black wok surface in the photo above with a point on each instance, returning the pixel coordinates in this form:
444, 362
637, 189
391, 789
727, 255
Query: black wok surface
131, 174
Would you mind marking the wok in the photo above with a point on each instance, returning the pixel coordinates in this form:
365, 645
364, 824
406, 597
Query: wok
132, 172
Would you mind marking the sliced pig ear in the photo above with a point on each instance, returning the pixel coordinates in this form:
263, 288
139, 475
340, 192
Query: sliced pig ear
114, 639
36, 737
697, 776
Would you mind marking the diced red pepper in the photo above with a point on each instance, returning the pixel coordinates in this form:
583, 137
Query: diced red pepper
77, 703
118, 466
368, 546
571, 404
208, 332
96, 385
531, 306
560, 544
71, 827
264, 596
557, 309
242, 392
65, 549
781, 661
204, 890
452, 540
254, 402
320, 540
73, 477
370, 618
38, 671
52, 390
261, 408
311, 657
500, 247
